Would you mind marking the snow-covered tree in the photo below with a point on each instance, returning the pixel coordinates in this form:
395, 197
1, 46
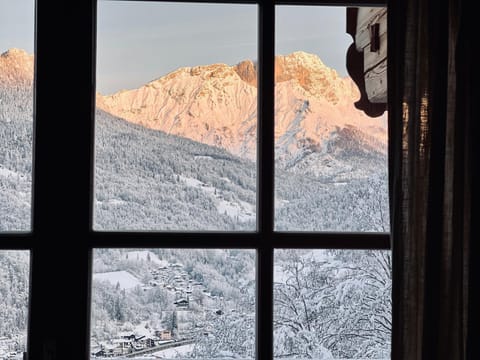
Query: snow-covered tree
333, 303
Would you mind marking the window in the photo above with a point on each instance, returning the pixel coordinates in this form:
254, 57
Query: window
16, 130
63, 241
184, 157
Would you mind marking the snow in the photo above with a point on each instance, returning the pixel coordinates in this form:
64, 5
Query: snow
144, 255
174, 352
9, 173
115, 202
279, 275
191, 182
124, 278
203, 157
238, 209
242, 209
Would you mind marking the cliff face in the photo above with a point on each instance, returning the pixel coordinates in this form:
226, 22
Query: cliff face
16, 68
217, 105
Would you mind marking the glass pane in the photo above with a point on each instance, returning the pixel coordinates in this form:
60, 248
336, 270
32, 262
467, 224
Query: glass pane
16, 114
330, 158
332, 304
14, 289
176, 117
173, 303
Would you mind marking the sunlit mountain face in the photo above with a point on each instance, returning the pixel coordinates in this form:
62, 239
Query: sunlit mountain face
217, 105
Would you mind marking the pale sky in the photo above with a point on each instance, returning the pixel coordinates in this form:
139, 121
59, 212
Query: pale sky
140, 41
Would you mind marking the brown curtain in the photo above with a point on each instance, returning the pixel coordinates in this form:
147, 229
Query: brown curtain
433, 125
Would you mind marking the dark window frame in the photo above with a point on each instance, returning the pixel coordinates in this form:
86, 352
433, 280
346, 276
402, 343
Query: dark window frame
59, 308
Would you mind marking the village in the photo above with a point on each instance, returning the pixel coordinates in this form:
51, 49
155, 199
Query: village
191, 307
9, 348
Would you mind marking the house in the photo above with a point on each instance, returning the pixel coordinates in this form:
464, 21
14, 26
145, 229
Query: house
99, 352
104, 350
151, 341
181, 302
127, 335
164, 334
122, 346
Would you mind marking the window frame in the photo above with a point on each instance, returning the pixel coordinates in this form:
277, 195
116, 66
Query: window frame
50, 222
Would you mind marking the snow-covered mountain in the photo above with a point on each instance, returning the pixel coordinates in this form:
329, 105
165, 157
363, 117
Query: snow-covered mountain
329, 170
217, 105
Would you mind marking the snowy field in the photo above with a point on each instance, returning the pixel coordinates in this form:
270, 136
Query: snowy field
123, 278
174, 353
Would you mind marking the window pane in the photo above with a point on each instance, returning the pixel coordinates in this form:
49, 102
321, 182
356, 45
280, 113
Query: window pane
332, 304
14, 275
16, 114
173, 303
330, 158
176, 117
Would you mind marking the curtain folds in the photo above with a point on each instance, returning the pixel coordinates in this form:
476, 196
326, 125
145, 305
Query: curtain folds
433, 158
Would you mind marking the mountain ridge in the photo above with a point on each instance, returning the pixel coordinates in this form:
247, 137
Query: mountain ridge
16, 67
153, 179
216, 104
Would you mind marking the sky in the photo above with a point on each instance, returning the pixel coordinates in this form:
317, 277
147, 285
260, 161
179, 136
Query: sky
138, 42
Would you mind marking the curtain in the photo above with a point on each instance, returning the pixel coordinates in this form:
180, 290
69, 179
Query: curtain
433, 155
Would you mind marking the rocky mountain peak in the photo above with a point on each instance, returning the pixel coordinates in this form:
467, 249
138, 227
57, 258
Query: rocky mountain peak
307, 71
318, 80
16, 66
217, 104
247, 71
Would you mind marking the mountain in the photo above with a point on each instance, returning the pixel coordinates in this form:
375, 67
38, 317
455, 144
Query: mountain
16, 68
330, 170
315, 119
217, 105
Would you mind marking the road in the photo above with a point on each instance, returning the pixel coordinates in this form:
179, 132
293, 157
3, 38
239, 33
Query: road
158, 348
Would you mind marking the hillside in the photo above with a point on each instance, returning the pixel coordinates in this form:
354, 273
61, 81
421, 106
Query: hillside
183, 185
16, 137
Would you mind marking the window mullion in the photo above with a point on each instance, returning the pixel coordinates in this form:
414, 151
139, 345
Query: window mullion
265, 173
60, 259
265, 130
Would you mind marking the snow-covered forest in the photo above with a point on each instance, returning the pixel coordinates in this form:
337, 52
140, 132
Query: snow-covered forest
16, 129
148, 180
328, 304
14, 277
